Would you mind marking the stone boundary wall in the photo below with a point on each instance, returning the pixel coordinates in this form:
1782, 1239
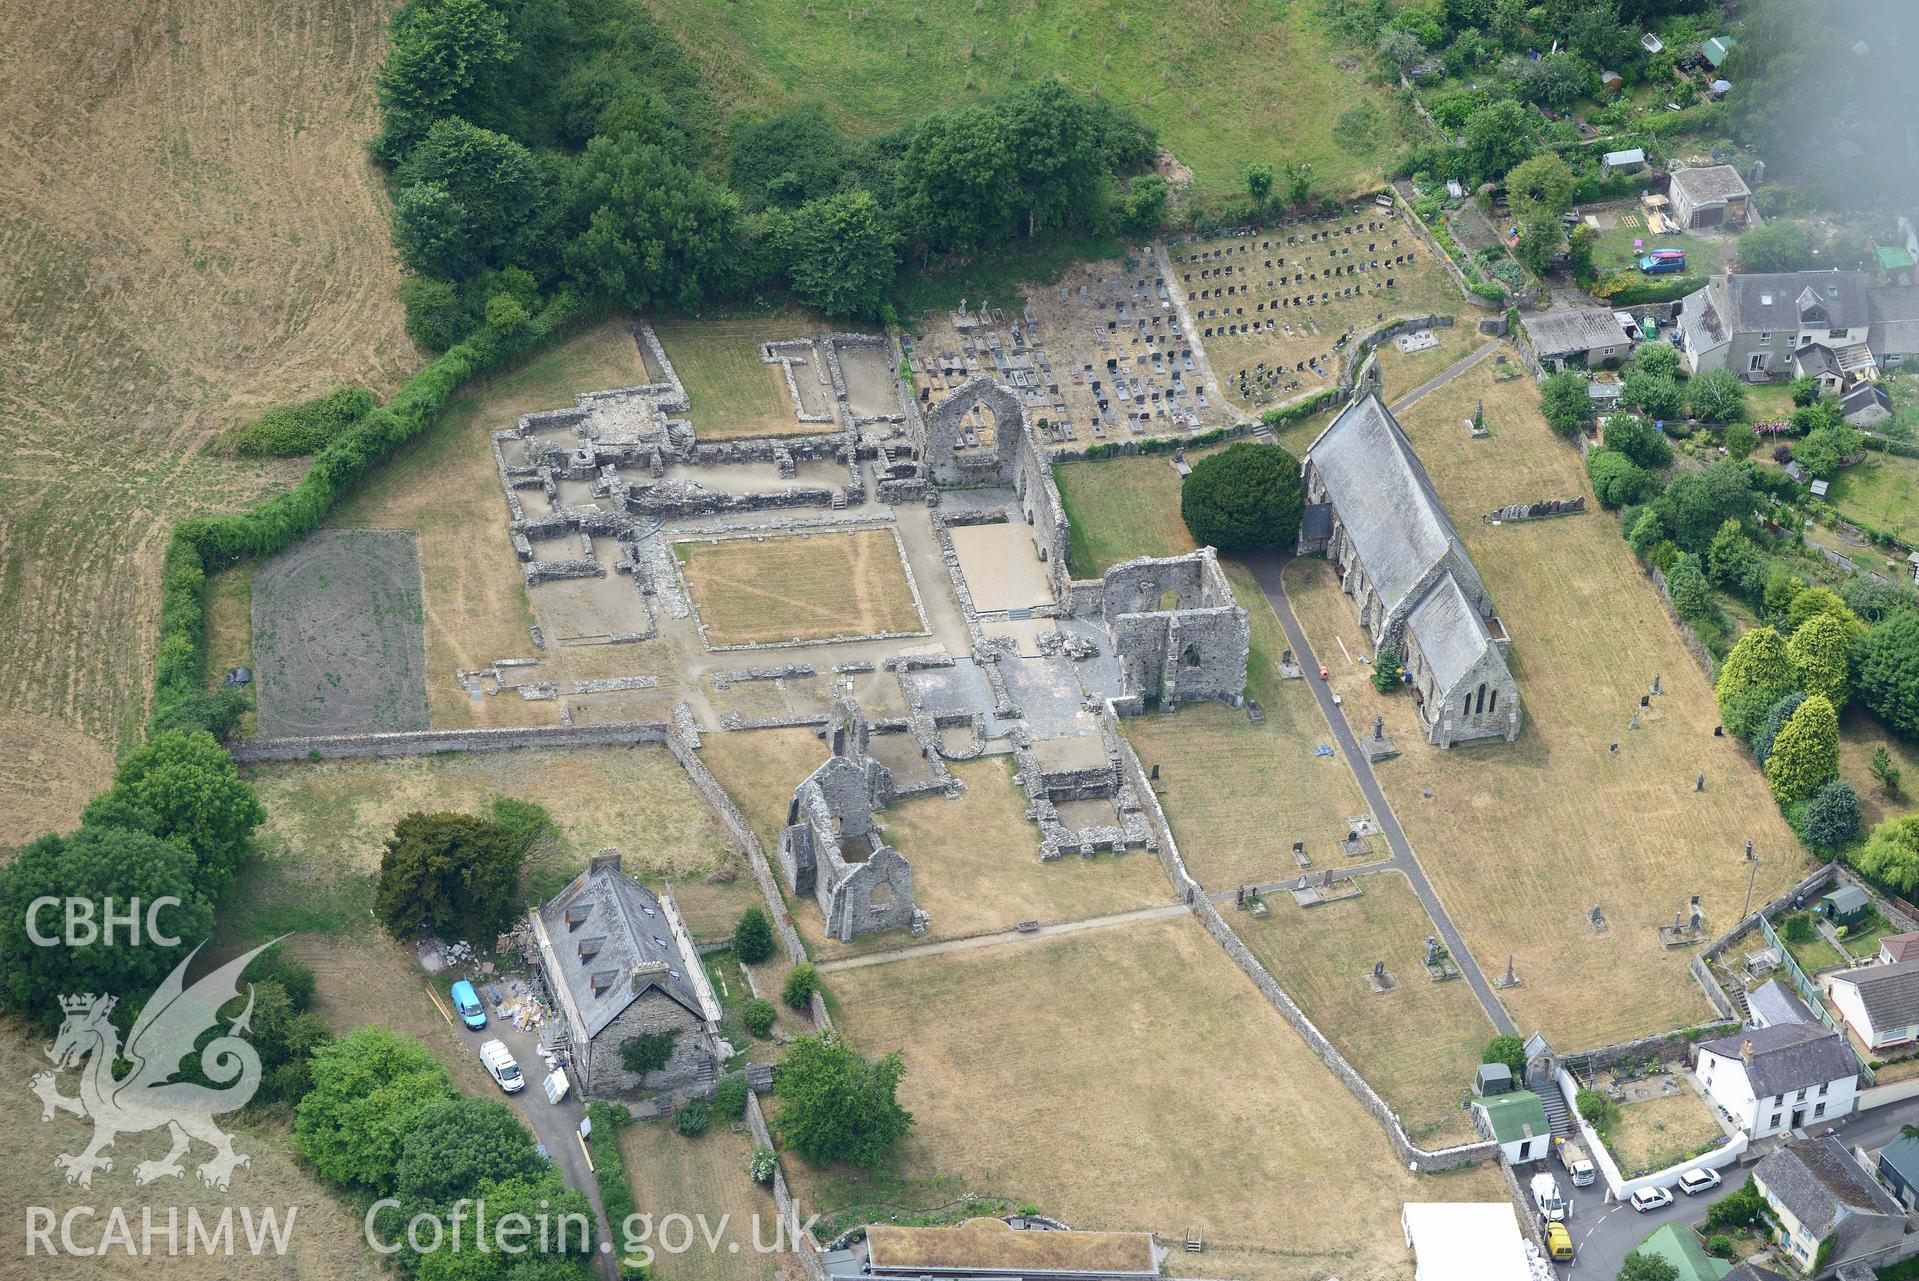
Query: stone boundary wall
1175, 867
434, 742
1385, 333
1687, 636
1404, 209
803, 1246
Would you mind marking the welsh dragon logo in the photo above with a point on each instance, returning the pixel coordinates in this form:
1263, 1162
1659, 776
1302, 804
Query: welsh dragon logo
147, 1097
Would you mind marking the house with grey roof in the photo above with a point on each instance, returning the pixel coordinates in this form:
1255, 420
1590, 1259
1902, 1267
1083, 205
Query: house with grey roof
1709, 196
1828, 1209
1898, 1168
1753, 1272
616, 962
1866, 406
1755, 323
1773, 1003
1373, 512
1893, 324
1879, 1002
1585, 335
1784, 1077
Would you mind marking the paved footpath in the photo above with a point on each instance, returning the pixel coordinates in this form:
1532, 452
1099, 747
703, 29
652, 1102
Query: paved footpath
977, 941
1433, 384
1266, 569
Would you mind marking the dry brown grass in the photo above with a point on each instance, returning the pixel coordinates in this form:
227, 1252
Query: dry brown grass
1417, 1044
1238, 795
671, 1174
193, 233
802, 587
759, 769
1521, 838
1132, 1079
992, 1244
731, 393
326, 823
976, 868
325, 1243
1659, 1132
1399, 373
1860, 733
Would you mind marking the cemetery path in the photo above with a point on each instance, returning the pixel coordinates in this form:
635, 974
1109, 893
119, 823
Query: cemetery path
976, 941
1435, 383
1176, 294
1266, 570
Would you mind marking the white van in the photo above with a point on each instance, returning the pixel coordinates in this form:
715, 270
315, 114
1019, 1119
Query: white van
1552, 1206
501, 1066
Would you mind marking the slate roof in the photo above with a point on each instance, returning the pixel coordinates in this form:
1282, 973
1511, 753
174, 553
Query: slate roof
1316, 522
1863, 397
1515, 1116
1710, 184
1895, 319
1815, 359
1449, 632
1771, 302
1753, 1272
1772, 1004
1902, 1154
1788, 1056
1890, 993
1559, 333
1818, 1182
1385, 499
1701, 319
607, 931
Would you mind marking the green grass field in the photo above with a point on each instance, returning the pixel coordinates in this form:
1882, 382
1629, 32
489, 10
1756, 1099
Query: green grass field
1882, 491
1212, 76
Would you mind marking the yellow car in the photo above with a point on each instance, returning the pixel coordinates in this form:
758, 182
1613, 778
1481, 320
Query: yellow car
1559, 1243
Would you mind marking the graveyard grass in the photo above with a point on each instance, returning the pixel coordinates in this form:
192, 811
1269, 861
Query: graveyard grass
322, 1219
799, 587
1520, 839
672, 1174
1417, 1044
1400, 373
731, 393
179, 260
1139, 1083
1210, 76
1660, 1132
327, 823
977, 870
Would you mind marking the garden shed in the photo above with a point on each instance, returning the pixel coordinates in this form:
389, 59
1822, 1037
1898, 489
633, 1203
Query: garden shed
1847, 905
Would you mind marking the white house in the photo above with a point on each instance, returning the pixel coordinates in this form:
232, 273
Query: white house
1880, 1003
1783, 1077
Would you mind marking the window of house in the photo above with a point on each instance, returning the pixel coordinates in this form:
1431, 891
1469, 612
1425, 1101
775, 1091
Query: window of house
1775, 1122
1765, 337
1822, 1091
1755, 362
1799, 1097
1838, 334
1818, 1111
1493, 705
1482, 696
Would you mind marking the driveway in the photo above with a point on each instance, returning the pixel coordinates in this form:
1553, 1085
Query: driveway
555, 1126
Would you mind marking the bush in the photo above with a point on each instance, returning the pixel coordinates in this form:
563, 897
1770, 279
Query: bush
1616, 481
1745, 1208
729, 1098
753, 936
692, 1118
303, 428
1245, 497
1798, 928
1564, 402
757, 1015
1597, 1110
762, 1165
1719, 1245
801, 982
1509, 1050
525, 821
1830, 819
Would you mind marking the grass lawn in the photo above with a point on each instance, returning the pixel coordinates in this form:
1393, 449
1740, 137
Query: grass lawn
1815, 953
1521, 838
1400, 373
1131, 1078
444, 486
1859, 733
199, 237
1613, 250
672, 1174
809, 587
326, 825
1862, 940
1768, 403
1211, 77
325, 1243
1881, 491
1660, 1132
1417, 1044
1120, 508
730, 391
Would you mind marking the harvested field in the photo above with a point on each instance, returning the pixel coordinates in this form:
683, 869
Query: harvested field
731, 393
324, 1243
1237, 283
1417, 1044
1520, 839
1399, 373
752, 591
671, 1174
193, 234
1210, 78
442, 485
1132, 1078
337, 636
327, 823
976, 867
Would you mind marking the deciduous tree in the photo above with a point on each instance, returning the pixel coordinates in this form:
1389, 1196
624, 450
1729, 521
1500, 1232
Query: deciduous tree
1564, 402
1717, 397
836, 1105
840, 253
370, 1089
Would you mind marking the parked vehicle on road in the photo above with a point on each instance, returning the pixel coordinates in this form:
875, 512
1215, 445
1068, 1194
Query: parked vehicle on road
1646, 1199
1578, 1162
467, 1002
1559, 1243
505, 1070
1552, 1206
1693, 1182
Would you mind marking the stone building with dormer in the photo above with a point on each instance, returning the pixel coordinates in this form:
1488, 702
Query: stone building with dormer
1372, 511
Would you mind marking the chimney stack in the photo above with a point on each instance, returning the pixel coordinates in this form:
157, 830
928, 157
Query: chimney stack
1745, 1052
607, 858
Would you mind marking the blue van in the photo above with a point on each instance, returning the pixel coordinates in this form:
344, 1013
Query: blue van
467, 1002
